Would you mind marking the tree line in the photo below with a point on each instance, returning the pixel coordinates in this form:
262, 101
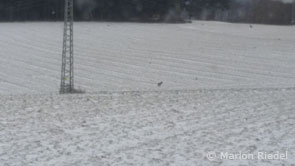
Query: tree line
107, 10
262, 11
250, 11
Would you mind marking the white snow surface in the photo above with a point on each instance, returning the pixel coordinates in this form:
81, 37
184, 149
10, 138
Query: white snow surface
132, 56
174, 128
226, 88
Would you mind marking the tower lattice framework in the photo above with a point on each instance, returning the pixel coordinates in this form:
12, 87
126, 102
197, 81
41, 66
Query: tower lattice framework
67, 71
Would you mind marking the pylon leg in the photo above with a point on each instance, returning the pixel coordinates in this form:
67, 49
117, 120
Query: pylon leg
67, 71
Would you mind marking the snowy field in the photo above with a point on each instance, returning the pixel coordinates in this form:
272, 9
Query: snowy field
226, 88
130, 56
176, 128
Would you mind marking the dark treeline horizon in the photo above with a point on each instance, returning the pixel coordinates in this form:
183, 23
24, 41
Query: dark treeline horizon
107, 10
250, 11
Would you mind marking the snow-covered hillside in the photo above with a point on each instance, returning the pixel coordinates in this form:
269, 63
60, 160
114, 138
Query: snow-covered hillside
226, 88
130, 56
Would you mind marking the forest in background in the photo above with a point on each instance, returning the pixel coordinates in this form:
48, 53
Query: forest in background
250, 11
105, 10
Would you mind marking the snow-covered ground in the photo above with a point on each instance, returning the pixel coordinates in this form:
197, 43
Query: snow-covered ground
176, 128
226, 88
130, 56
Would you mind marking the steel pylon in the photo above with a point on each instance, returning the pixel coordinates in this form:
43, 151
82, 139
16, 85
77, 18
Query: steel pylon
67, 70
